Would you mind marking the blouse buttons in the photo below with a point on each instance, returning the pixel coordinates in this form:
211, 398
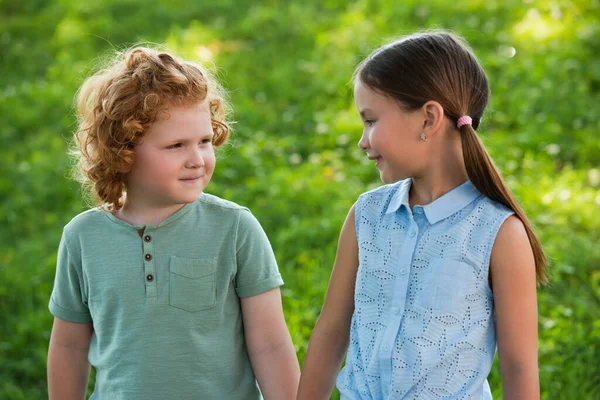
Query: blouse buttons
148, 257
147, 238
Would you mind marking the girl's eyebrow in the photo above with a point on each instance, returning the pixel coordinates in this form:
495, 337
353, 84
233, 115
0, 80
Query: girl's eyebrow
363, 112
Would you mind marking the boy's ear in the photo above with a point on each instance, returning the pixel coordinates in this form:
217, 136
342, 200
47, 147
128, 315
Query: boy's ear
433, 116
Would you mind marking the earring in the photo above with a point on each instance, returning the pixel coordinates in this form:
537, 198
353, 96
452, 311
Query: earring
423, 136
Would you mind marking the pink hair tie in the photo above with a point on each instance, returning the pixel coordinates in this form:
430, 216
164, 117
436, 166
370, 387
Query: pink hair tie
464, 120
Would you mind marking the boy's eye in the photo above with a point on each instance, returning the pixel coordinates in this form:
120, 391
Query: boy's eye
206, 141
369, 122
174, 146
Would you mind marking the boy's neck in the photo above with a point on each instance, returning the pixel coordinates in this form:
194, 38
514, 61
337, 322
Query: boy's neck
141, 214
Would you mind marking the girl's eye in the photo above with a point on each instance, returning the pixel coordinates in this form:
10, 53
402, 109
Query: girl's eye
174, 146
206, 141
370, 122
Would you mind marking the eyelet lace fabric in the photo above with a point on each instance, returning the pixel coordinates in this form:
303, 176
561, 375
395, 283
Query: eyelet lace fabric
423, 325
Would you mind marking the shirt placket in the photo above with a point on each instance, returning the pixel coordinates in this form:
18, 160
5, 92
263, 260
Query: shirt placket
396, 308
149, 262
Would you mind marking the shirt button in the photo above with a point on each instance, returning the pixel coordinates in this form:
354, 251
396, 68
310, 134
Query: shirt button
148, 257
412, 233
403, 271
149, 277
396, 310
147, 238
419, 210
386, 348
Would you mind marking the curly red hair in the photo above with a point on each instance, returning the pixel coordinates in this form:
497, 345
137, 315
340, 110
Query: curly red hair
116, 105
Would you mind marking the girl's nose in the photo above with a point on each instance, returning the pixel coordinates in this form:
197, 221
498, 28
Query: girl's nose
363, 143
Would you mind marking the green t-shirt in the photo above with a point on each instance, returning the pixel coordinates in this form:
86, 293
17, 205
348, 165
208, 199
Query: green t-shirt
166, 306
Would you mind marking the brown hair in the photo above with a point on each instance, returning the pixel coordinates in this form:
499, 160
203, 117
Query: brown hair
440, 66
116, 105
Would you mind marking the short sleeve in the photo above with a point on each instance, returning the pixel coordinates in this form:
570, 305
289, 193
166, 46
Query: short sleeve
257, 270
69, 300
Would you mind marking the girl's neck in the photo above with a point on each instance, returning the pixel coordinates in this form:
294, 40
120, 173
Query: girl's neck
425, 190
446, 173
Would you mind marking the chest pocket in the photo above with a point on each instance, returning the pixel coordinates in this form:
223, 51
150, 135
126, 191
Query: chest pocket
448, 284
192, 283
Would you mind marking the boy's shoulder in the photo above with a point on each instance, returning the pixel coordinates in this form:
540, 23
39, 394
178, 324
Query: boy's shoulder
211, 201
89, 219
225, 210
97, 220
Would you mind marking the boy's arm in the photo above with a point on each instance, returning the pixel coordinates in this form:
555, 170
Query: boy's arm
331, 336
68, 366
514, 286
269, 345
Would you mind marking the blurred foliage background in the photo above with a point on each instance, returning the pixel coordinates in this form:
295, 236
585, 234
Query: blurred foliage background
294, 160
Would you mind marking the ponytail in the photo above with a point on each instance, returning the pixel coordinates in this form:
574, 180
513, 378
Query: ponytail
440, 66
486, 178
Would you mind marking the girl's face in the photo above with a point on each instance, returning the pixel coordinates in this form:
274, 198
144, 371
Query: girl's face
175, 159
391, 135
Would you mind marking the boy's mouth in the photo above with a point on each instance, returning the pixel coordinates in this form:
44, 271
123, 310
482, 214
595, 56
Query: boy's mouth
191, 179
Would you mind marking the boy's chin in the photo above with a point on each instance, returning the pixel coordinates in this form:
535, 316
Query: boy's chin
190, 198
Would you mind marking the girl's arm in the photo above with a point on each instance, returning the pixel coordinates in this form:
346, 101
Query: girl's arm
68, 366
514, 286
269, 345
330, 338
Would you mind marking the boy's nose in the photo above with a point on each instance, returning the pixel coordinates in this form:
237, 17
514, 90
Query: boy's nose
196, 160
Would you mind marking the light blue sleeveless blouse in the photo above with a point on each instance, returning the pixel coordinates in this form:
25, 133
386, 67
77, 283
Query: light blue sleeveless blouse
423, 325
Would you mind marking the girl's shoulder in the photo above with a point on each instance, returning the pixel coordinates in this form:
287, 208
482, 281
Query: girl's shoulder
387, 189
383, 194
493, 209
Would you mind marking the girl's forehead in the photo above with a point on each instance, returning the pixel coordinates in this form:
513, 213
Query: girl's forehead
364, 96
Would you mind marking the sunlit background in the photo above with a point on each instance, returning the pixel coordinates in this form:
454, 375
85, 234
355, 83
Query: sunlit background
293, 159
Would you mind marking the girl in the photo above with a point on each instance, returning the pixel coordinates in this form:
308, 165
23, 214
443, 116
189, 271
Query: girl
434, 270
169, 292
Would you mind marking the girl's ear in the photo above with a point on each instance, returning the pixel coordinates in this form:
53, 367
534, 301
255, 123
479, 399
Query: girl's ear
433, 114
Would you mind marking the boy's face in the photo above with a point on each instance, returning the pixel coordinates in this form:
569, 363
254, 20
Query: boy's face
175, 159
